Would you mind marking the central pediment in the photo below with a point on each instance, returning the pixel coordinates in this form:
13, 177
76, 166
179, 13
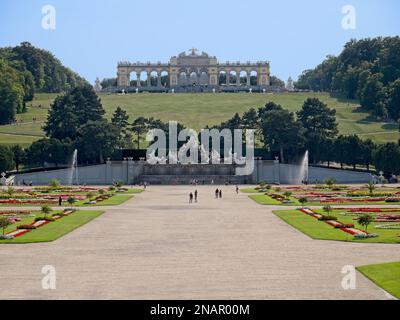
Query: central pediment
193, 57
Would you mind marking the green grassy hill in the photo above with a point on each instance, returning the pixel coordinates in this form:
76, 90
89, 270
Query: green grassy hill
198, 110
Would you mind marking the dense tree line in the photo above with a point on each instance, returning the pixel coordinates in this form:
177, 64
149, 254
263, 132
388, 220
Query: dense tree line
313, 128
108, 82
76, 120
368, 70
25, 70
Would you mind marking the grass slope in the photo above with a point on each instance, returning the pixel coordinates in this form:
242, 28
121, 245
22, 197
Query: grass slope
198, 110
386, 275
53, 230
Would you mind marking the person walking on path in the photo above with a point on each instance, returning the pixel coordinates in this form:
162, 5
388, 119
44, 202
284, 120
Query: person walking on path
191, 198
237, 189
216, 194
195, 195
220, 194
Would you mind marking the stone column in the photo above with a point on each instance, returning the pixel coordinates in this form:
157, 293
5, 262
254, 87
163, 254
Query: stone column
149, 79
138, 79
227, 78
248, 79
158, 79
238, 78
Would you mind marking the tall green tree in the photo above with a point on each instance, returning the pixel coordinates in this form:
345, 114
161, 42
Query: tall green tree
139, 127
281, 132
372, 96
353, 149
70, 111
250, 119
269, 106
393, 100
120, 119
18, 155
11, 93
387, 158
319, 123
97, 140
51, 151
6, 159
368, 148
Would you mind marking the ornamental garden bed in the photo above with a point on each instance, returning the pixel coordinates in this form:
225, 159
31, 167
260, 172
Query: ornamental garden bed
80, 196
322, 195
34, 227
345, 227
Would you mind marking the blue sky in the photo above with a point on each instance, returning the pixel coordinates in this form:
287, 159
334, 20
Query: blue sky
92, 36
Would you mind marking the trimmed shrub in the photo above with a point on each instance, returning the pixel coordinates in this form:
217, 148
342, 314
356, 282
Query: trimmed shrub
26, 226
45, 219
392, 200
326, 218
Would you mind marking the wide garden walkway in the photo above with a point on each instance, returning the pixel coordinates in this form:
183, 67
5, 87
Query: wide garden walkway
157, 246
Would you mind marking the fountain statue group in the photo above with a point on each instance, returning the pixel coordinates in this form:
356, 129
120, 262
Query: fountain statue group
192, 144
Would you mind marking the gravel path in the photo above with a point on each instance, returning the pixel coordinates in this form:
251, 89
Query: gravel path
157, 246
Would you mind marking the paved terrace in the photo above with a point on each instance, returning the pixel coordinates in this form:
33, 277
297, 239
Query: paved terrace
157, 246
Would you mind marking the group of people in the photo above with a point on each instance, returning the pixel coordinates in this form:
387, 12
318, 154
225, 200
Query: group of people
191, 196
218, 195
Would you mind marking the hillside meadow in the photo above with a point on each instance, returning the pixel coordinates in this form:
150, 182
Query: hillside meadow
198, 110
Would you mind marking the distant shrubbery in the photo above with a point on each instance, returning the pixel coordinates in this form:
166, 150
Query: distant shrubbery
25, 70
367, 69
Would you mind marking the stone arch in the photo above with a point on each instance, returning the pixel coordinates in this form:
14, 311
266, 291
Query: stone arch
133, 78
153, 78
222, 77
253, 78
164, 78
243, 77
232, 77
143, 77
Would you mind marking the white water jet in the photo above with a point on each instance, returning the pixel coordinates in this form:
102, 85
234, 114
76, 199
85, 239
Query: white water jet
303, 170
73, 169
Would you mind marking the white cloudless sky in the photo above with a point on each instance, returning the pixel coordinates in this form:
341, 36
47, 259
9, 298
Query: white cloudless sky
91, 36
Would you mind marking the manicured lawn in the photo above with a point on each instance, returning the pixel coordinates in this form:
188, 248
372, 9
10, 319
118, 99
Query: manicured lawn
267, 200
263, 199
116, 199
53, 230
113, 201
386, 275
319, 230
249, 190
201, 110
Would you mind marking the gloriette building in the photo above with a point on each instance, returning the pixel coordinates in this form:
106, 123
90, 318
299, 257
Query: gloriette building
193, 71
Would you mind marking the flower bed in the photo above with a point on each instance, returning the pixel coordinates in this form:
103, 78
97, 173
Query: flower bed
369, 210
28, 201
354, 231
349, 228
14, 213
36, 224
